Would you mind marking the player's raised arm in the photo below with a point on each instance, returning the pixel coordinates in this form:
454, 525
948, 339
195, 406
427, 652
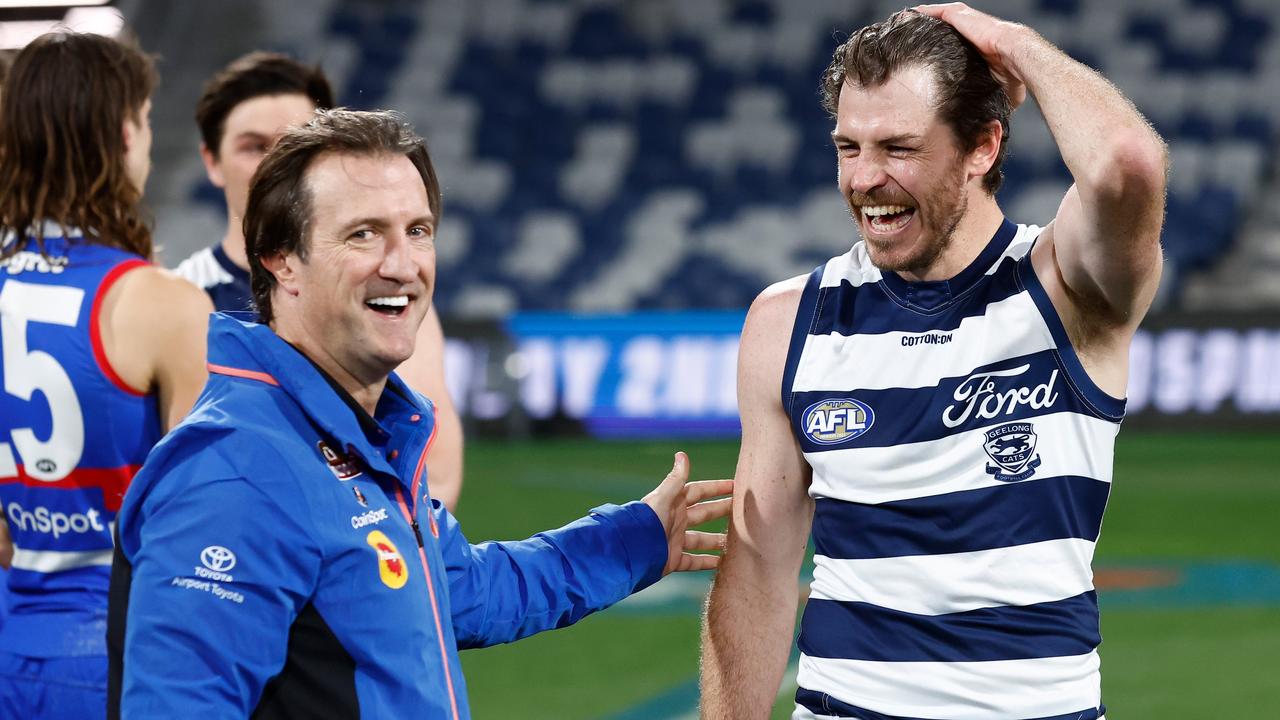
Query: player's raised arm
751, 611
1105, 239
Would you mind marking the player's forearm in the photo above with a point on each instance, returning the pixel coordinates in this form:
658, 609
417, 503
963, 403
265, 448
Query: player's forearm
1109, 147
746, 637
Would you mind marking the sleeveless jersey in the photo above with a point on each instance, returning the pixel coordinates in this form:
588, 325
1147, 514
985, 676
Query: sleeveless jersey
961, 464
226, 283
72, 435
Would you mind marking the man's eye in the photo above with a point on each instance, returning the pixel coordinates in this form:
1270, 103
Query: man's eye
361, 234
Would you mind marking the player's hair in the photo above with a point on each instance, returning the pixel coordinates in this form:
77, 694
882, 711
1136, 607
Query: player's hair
277, 218
62, 150
255, 75
970, 96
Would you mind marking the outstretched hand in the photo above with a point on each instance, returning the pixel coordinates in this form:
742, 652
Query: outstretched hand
992, 36
681, 504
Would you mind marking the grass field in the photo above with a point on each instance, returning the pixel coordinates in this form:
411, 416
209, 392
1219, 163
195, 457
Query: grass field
1188, 568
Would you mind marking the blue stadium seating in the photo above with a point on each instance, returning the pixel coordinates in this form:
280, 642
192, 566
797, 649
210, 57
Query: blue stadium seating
719, 100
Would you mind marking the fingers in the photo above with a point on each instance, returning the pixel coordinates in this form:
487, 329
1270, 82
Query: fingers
693, 563
679, 474
694, 540
709, 510
939, 10
700, 490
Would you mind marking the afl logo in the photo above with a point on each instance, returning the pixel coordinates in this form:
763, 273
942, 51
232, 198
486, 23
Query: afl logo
828, 422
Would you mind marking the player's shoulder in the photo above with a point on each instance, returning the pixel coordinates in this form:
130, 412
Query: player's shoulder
779, 301
157, 292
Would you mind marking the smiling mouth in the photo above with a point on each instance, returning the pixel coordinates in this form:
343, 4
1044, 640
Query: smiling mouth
887, 218
390, 305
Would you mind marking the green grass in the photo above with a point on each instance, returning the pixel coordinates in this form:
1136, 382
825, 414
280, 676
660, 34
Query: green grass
1176, 497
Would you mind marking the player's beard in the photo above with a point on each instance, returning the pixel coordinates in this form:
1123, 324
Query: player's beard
946, 202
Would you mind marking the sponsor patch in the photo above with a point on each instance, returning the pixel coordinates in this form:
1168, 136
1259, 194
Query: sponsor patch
342, 466
986, 396
828, 422
216, 563
369, 517
1012, 449
360, 498
392, 568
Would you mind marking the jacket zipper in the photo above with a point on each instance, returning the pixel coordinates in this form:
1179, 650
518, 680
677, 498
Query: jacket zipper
412, 518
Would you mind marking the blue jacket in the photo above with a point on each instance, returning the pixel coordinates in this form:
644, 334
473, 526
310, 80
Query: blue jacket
279, 556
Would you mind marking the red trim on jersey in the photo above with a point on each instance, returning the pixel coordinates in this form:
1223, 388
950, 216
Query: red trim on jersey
241, 373
112, 481
95, 335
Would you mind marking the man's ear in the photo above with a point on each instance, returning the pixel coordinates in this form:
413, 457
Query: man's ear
982, 157
212, 167
284, 267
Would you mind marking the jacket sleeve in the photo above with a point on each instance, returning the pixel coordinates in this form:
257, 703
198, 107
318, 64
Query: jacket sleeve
220, 570
503, 591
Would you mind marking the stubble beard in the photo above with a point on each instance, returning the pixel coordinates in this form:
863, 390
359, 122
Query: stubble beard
949, 211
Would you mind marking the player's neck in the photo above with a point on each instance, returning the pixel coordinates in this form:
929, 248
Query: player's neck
969, 239
233, 243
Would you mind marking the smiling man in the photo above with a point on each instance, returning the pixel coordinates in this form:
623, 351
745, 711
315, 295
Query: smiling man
939, 405
279, 554
241, 112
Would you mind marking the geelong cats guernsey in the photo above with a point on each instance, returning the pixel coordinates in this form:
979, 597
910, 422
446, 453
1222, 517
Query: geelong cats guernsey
72, 435
961, 465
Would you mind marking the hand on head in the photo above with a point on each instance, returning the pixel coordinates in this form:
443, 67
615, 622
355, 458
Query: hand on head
993, 38
680, 504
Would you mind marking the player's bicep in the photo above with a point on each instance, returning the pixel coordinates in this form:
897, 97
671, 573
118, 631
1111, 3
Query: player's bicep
772, 510
1107, 249
182, 361
212, 596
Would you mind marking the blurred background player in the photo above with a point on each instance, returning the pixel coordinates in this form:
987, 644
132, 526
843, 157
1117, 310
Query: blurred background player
241, 112
944, 417
102, 352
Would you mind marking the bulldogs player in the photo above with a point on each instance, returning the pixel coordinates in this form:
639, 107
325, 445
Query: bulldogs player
102, 352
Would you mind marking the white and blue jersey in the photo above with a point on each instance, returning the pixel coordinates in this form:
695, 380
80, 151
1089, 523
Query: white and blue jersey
961, 464
226, 283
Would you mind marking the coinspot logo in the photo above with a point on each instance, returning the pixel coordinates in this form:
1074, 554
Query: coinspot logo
828, 422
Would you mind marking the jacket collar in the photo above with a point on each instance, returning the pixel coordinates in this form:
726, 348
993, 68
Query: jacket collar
242, 348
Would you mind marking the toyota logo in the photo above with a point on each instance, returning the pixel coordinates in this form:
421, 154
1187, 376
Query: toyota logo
218, 558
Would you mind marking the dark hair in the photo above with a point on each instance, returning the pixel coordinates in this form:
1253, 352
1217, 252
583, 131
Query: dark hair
277, 218
970, 95
251, 76
62, 150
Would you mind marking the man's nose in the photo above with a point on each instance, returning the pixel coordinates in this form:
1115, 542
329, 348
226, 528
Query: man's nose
398, 261
866, 174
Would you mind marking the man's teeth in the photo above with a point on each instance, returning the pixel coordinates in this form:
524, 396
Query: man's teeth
878, 210
392, 301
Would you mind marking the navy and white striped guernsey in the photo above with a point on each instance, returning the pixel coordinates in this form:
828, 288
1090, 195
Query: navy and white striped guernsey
226, 283
961, 464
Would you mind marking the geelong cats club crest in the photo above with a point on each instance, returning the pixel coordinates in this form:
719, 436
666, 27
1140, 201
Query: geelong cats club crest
1012, 449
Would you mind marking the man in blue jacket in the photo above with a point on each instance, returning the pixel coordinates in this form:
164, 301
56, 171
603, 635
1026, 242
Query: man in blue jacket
279, 554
